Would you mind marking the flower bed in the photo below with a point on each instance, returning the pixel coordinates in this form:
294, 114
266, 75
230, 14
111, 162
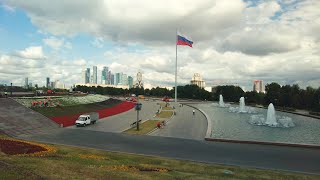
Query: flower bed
23, 148
106, 112
60, 100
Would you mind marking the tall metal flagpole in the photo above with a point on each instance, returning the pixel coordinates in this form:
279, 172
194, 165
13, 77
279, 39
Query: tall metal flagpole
175, 89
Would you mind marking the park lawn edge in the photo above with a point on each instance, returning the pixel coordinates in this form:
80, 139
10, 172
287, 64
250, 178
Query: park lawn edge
95, 163
144, 128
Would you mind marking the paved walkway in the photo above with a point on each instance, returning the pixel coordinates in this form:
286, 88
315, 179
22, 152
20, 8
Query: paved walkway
18, 120
246, 155
121, 122
184, 124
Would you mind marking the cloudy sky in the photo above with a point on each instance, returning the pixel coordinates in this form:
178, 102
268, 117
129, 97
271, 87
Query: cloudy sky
235, 41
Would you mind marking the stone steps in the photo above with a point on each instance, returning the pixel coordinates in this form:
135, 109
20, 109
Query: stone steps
17, 120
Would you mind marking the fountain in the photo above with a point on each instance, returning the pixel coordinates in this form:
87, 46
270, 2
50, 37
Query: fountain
271, 116
242, 105
221, 103
272, 120
275, 126
242, 108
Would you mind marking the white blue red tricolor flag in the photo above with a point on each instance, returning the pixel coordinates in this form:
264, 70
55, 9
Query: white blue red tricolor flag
183, 41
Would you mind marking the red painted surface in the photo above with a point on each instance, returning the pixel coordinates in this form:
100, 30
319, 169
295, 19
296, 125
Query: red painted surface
117, 109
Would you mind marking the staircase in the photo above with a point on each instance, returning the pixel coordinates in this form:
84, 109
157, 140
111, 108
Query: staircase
18, 120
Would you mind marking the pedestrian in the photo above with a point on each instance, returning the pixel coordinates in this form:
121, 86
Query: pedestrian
163, 123
159, 125
6, 94
193, 112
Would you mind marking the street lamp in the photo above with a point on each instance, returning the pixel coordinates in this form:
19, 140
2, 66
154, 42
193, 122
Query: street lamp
138, 108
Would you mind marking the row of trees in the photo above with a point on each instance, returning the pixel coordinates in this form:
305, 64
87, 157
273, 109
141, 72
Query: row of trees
188, 91
284, 96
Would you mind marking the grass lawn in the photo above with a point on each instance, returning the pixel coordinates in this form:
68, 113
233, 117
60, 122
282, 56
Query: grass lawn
79, 163
167, 108
76, 109
164, 114
144, 128
163, 104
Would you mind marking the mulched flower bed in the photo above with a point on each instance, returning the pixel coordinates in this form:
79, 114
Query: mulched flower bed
12, 147
106, 112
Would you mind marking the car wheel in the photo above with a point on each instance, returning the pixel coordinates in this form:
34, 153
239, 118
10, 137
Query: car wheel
84, 125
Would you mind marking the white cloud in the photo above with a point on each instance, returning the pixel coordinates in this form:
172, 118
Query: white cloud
56, 43
8, 8
98, 42
234, 41
32, 52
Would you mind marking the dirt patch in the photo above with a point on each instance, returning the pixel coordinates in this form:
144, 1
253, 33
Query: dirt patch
12, 147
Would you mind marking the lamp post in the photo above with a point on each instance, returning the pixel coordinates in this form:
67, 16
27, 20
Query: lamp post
138, 108
11, 90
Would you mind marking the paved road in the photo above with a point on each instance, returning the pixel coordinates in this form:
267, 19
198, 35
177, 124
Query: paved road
121, 122
184, 124
249, 155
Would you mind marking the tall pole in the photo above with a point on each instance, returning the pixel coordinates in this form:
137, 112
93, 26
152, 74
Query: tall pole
175, 89
138, 104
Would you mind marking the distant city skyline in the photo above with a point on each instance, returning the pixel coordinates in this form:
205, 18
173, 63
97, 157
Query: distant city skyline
237, 42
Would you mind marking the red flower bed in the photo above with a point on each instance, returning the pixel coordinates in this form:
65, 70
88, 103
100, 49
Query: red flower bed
119, 108
15, 147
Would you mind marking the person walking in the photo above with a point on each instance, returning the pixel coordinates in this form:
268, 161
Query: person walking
159, 125
193, 112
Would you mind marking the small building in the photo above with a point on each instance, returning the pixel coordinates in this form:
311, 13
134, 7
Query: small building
197, 80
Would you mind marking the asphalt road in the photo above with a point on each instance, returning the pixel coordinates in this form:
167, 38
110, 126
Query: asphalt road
248, 155
120, 122
184, 124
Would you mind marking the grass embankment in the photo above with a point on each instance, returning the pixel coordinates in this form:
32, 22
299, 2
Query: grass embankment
164, 114
76, 109
167, 108
144, 128
79, 163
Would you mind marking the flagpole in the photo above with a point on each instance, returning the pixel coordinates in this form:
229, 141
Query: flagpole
175, 89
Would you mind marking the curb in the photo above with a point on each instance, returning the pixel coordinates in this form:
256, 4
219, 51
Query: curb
209, 122
263, 143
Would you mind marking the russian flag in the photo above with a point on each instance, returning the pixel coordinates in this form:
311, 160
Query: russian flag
183, 41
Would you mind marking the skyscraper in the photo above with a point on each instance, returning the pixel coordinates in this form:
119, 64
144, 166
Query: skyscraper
48, 82
104, 75
258, 86
94, 75
112, 78
52, 85
109, 78
87, 77
124, 79
117, 79
26, 83
130, 81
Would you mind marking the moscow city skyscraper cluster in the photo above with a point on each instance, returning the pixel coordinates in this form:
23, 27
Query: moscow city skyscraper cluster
90, 76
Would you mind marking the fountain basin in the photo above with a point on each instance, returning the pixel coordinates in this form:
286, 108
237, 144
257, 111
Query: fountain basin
235, 126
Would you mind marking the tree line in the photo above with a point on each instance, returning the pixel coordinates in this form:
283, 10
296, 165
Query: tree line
286, 96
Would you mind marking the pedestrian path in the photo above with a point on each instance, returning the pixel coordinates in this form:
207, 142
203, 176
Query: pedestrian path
184, 124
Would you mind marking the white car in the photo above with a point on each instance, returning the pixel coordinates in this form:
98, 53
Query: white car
86, 119
83, 120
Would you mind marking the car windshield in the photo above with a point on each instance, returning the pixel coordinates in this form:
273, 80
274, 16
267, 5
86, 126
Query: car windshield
81, 119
